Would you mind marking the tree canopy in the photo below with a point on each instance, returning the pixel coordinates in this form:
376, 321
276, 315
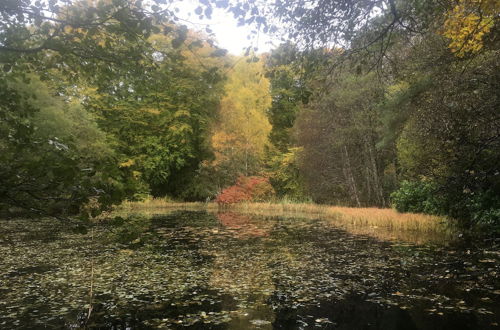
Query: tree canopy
365, 103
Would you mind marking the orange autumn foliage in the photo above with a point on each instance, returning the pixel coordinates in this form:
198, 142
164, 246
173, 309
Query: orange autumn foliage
251, 188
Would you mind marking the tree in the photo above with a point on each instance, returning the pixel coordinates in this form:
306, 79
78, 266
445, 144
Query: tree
339, 131
288, 92
161, 118
86, 51
285, 175
49, 162
54, 159
451, 138
468, 24
241, 133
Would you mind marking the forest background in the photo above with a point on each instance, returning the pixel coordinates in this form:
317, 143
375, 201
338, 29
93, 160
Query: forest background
366, 103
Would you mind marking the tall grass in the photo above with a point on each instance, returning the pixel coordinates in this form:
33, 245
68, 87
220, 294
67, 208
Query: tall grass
384, 223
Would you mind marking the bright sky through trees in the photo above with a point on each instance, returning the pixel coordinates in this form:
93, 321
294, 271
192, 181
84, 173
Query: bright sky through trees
229, 35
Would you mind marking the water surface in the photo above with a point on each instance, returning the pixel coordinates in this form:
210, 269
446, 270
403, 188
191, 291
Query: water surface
231, 271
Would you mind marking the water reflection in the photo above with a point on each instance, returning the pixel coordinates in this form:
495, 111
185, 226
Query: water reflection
242, 272
243, 226
233, 271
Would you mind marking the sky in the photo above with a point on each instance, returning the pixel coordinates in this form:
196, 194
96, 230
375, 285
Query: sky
228, 34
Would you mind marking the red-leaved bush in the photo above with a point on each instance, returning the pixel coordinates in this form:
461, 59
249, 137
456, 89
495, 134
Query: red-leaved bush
247, 188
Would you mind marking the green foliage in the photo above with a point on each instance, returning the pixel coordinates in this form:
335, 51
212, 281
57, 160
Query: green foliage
53, 156
288, 92
148, 98
484, 208
106, 100
161, 119
451, 137
285, 175
91, 39
341, 162
430, 116
128, 230
417, 197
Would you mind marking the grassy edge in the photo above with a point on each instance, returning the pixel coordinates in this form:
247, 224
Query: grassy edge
369, 217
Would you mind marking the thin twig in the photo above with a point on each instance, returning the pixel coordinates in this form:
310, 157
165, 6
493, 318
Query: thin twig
91, 293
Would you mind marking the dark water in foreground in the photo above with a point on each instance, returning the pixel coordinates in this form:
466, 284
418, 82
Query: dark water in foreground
230, 271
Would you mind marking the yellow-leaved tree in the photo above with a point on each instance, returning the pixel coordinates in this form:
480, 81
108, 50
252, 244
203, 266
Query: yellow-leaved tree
468, 23
241, 133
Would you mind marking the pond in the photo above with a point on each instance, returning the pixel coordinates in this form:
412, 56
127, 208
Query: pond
204, 270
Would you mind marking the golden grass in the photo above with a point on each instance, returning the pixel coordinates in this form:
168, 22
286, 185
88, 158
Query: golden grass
383, 223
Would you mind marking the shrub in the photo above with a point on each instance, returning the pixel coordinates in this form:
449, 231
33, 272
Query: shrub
231, 195
417, 197
259, 188
484, 209
251, 188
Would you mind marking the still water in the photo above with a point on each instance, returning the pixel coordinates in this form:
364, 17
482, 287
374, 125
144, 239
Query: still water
231, 271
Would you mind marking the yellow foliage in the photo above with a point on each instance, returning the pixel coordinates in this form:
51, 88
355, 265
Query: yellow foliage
182, 113
392, 91
223, 143
128, 163
222, 139
180, 128
243, 109
241, 133
151, 111
467, 24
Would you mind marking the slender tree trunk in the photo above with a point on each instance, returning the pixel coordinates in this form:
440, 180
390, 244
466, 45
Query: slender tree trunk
247, 141
91, 291
350, 178
379, 193
368, 178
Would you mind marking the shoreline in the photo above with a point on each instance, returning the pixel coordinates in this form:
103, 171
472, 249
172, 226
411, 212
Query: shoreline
381, 223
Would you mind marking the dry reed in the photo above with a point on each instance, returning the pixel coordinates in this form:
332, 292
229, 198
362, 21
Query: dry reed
384, 223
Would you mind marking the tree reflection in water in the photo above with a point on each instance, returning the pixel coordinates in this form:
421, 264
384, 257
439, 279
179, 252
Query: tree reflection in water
231, 271
243, 226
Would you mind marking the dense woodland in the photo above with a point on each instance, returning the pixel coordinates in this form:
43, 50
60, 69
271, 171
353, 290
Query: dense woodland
365, 103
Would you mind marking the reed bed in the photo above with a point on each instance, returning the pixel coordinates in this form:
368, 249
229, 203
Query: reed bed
371, 216
383, 223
